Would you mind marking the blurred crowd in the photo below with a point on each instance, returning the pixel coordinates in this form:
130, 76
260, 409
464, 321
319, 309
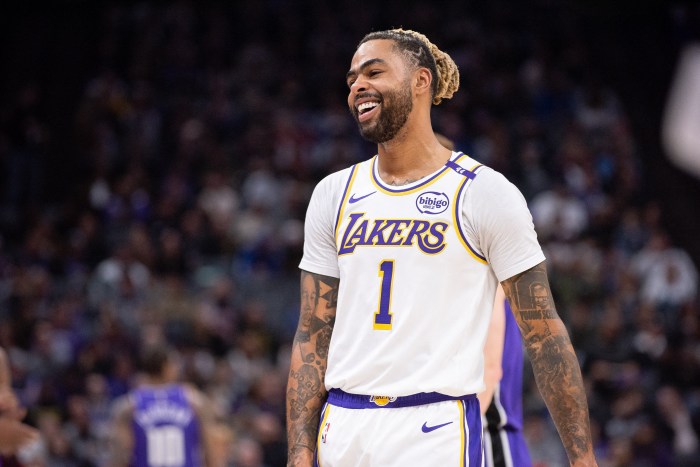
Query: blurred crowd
200, 133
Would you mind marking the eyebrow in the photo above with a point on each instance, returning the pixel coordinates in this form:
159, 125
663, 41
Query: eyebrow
364, 65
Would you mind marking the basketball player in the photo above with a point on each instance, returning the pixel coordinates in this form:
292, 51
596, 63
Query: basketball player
501, 401
165, 423
406, 250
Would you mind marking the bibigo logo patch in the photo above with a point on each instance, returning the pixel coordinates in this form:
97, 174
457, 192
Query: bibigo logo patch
431, 202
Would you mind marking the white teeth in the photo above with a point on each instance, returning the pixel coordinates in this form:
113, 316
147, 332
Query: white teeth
365, 106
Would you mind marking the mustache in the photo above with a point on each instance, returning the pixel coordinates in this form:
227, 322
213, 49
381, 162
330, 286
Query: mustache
366, 94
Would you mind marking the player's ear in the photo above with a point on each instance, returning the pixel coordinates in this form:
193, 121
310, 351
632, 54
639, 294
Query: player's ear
422, 80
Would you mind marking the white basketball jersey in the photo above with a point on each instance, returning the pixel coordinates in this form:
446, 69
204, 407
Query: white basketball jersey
415, 295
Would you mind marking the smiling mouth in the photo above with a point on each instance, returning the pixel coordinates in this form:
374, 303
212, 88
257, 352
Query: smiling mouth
366, 110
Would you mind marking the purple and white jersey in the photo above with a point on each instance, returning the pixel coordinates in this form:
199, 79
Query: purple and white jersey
508, 397
418, 267
166, 430
504, 440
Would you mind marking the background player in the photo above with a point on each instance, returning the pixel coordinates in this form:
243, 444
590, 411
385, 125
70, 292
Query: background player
501, 401
15, 436
165, 423
409, 343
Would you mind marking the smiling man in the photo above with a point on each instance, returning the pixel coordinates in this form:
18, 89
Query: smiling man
405, 251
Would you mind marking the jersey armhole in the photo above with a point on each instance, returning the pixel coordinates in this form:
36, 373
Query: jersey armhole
460, 196
343, 201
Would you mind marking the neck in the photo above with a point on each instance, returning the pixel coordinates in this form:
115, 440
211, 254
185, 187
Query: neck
410, 156
157, 381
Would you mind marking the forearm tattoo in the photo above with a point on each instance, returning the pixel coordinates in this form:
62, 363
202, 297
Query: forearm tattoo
306, 392
552, 356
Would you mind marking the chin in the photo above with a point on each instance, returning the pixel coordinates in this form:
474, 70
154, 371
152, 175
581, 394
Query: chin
367, 130
371, 137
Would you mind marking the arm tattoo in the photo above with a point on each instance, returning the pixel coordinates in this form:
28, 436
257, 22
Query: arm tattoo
306, 391
552, 356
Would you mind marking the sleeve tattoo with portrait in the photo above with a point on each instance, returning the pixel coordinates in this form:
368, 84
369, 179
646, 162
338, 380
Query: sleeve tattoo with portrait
552, 357
306, 392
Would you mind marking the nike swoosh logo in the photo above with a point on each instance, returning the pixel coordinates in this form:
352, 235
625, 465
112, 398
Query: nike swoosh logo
428, 429
353, 199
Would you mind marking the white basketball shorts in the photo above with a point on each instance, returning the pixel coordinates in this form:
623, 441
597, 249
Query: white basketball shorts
422, 430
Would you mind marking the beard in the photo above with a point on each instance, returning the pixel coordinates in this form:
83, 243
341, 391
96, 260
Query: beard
396, 105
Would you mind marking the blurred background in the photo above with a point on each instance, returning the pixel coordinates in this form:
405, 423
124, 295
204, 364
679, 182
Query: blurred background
156, 159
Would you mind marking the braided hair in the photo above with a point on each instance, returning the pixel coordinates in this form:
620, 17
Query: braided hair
422, 53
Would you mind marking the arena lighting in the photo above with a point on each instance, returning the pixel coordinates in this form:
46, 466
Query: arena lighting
681, 124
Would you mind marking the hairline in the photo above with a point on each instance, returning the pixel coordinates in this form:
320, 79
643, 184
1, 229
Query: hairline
407, 56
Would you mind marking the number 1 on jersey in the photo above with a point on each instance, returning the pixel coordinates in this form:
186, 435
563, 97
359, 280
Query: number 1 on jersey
382, 318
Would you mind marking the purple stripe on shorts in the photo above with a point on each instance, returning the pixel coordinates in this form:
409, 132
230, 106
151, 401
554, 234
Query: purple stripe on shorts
472, 424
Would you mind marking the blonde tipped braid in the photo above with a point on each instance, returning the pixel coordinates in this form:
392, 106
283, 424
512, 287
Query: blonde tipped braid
448, 73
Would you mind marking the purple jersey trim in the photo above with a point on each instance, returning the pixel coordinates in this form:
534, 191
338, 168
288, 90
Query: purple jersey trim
411, 188
468, 175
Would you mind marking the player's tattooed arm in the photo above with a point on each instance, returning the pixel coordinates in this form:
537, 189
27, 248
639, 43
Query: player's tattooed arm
553, 360
306, 392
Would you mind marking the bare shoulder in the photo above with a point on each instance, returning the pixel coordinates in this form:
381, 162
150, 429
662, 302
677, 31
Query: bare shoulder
123, 406
5, 375
198, 399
